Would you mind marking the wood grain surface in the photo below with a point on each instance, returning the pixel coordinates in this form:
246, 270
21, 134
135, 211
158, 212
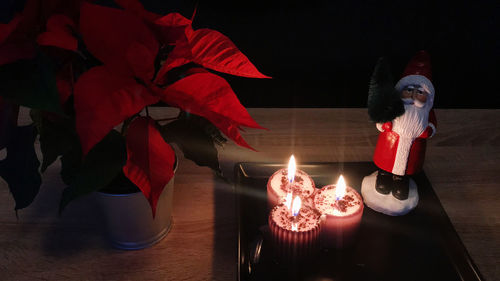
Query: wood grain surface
462, 163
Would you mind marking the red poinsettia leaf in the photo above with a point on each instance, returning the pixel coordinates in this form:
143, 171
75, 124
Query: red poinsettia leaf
33, 16
211, 93
103, 100
59, 33
180, 55
136, 7
64, 82
13, 49
229, 128
58, 39
141, 60
174, 20
7, 28
210, 96
150, 160
108, 33
60, 22
11, 52
174, 27
64, 89
214, 50
194, 70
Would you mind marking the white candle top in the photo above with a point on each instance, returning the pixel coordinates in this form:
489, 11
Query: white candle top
302, 185
307, 219
325, 201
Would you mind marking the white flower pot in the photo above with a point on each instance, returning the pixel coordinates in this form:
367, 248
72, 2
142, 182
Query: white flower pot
129, 219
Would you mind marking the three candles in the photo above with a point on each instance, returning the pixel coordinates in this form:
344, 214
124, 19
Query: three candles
333, 212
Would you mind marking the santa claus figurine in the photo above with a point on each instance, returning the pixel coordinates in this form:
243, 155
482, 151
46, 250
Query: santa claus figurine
404, 116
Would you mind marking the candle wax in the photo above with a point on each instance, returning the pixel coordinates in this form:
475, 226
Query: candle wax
278, 187
290, 244
342, 216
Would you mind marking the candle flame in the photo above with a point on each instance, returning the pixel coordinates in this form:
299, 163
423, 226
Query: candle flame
296, 206
294, 227
340, 188
288, 200
291, 169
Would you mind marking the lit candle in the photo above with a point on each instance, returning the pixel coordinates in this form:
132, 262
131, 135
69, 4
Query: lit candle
342, 209
297, 203
295, 231
286, 183
295, 211
292, 167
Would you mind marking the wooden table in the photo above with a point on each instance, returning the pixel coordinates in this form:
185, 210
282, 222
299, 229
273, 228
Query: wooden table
463, 165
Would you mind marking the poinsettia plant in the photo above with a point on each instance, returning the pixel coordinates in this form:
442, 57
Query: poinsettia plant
89, 73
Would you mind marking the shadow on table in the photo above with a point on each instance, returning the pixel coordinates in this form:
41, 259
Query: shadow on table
225, 231
80, 227
77, 228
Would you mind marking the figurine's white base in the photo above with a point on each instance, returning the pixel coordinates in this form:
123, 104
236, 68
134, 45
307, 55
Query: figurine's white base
386, 203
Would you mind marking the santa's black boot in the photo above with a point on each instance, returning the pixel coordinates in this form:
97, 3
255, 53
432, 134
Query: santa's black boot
401, 187
383, 184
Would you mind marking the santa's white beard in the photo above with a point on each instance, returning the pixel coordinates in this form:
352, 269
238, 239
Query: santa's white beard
408, 126
412, 123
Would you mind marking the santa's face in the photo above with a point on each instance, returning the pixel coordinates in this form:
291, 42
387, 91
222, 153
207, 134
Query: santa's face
414, 94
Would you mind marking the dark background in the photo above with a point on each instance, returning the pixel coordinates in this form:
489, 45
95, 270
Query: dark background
322, 53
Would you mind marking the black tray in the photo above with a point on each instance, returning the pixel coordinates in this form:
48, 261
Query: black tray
422, 245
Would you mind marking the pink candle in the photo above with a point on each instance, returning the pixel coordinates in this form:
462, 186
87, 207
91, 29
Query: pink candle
342, 208
288, 183
295, 231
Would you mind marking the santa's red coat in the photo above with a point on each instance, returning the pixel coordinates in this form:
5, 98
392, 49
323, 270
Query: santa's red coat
385, 151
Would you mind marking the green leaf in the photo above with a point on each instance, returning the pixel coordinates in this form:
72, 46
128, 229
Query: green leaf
71, 162
20, 168
384, 102
196, 137
101, 165
57, 135
31, 83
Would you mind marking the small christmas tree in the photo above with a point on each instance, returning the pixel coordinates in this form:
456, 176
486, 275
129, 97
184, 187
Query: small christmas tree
384, 102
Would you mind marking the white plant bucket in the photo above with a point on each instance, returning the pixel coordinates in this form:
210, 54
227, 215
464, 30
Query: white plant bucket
129, 219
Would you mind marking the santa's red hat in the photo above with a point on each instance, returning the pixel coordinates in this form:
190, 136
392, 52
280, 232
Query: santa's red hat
417, 72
